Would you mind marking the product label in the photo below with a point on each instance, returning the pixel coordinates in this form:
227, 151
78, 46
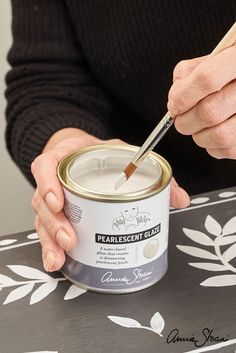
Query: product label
119, 244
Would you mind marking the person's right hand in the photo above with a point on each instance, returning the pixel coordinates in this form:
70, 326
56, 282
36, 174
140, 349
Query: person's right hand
55, 231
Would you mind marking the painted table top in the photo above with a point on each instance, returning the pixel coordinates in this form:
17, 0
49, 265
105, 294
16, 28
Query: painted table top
192, 308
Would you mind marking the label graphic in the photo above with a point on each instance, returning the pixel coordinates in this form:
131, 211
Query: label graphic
130, 219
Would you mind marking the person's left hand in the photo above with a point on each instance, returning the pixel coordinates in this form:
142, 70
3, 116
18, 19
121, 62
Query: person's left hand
203, 100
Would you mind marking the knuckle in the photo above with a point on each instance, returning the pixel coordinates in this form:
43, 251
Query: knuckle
179, 100
209, 112
180, 69
35, 203
207, 79
214, 153
50, 225
35, 165
196, 139
231, 153
223, 135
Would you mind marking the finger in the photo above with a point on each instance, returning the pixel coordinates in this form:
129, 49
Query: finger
185, 67
44, 170
211, 111
220, 153
53, 256
178, 196
56, 225
208, 77
115, 142
220, 136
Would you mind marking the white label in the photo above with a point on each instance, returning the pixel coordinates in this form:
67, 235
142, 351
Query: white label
119, 234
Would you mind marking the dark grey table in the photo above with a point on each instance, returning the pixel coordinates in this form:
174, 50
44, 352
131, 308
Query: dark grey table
192, 309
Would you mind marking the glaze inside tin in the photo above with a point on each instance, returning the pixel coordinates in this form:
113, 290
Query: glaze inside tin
93, 171
97, 171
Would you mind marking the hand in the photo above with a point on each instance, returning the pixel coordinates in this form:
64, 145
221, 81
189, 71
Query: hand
55, 231
203, 99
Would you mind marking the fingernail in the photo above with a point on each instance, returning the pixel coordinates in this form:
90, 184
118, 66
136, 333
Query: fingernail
49, 260
63, 239
52, 202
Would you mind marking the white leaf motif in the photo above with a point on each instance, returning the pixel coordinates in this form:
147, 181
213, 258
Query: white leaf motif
73, 292
28, 272
220, 281
7, 242
33, 236
227, 194
4, 280
199, 200
43, 352
19, 293
230, 253
125, 321
157, 323
212, 226
228, 240
230, 227
191, 250
198, 237
208, 266
43, 291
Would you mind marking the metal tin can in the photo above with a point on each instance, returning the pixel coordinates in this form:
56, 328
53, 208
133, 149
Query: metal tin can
122, 235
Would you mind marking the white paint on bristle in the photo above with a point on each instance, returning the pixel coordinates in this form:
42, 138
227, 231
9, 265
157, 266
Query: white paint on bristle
120, 181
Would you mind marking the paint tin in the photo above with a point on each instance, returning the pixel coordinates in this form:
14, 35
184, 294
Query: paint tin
122, 235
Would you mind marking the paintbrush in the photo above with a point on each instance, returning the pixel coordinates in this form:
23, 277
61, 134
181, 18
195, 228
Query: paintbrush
166, 122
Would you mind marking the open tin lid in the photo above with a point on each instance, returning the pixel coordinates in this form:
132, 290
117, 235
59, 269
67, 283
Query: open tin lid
93, 171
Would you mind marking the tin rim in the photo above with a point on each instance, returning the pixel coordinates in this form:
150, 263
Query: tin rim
162, 183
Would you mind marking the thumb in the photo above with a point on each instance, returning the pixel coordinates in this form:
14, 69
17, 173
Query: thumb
178, 196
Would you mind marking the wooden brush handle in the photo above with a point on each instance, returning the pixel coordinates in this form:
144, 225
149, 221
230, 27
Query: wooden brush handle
226, 41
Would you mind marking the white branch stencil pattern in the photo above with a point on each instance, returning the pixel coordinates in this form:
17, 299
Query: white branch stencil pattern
6, 244
47, 284
157, 324
217, 238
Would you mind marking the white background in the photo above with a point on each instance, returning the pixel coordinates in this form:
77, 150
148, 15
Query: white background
15, 192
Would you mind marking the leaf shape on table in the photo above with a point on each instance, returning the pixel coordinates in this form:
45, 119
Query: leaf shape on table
197, 252
199, 200
4, 280
7, 242
125, 321
157, 323
227, 194
43, 291
230, 253
33, 236
220, 281
208, 266
19, 293
228, 240
43, 352
230, 226
212, 226
73, 292
29, 272
198, 237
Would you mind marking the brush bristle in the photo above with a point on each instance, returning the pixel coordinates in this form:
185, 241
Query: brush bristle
120, 181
